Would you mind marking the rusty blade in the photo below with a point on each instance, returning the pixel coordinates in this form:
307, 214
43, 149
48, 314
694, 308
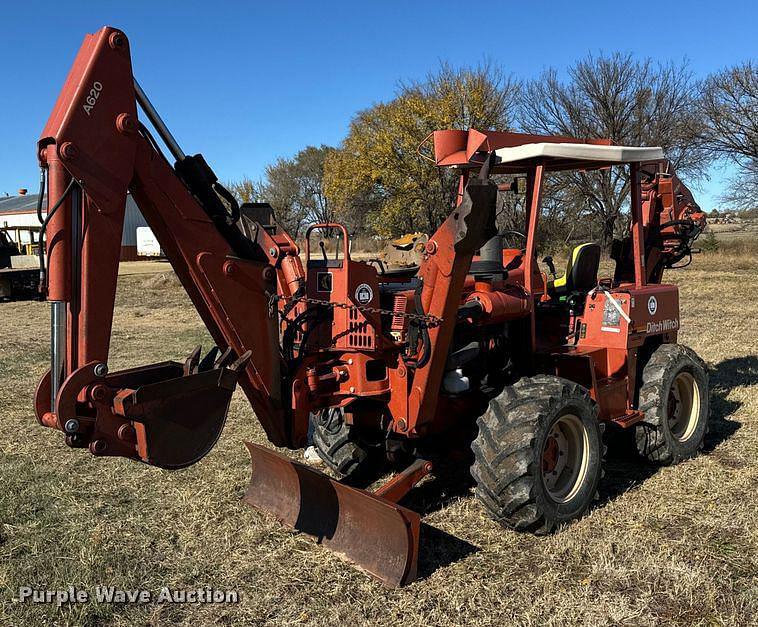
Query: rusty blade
379, 536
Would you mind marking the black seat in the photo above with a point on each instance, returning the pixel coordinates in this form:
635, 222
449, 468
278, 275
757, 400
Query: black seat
581, 270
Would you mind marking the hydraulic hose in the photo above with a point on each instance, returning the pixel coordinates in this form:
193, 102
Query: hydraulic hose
426, 343
45, 222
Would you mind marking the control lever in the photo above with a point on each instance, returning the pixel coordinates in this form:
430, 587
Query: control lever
551, 266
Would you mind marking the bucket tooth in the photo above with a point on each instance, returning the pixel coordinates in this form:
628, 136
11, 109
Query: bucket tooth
206, 363
376, 534
239, 365
225, 358
192, 361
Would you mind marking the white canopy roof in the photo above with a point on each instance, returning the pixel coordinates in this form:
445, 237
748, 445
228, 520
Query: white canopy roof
582, 152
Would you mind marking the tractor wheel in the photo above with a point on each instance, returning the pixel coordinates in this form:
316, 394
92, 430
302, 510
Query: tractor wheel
538, 456
674, 398
337, 445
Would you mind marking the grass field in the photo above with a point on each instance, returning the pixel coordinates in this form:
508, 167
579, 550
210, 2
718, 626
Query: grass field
669, 546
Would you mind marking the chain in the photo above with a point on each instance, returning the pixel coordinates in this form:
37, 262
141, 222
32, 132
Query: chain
430, 320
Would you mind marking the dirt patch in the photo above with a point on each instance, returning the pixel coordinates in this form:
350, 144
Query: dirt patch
167, 280
729, 461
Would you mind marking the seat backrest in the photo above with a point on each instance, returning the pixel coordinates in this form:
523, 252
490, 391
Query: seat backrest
582, 267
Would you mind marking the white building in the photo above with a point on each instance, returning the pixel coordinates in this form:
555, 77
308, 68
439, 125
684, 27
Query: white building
21, 210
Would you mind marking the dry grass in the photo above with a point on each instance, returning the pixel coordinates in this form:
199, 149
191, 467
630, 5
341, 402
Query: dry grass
671, 546
736, 239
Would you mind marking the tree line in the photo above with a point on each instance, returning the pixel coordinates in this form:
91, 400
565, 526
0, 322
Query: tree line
378, 184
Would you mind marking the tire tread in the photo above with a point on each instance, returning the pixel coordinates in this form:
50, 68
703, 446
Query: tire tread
503, 467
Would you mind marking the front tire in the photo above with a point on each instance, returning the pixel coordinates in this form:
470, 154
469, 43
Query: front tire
538, 454
338, 445
674, 398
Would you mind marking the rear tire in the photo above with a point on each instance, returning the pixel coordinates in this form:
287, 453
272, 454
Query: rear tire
338, 446
674, 398
538, 454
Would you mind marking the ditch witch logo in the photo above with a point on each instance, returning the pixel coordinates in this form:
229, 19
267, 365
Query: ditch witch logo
662, 326
111, 594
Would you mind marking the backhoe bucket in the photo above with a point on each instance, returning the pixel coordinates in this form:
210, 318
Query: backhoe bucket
168, 414
378, 535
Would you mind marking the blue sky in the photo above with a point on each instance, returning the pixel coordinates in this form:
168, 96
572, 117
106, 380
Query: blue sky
247, 82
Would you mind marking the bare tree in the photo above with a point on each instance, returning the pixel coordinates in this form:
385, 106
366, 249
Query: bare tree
481, 97
309, 172
730, 105
282, 189
294, 188
628, 101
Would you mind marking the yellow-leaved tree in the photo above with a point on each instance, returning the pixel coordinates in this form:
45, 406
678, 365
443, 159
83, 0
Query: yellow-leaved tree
377, 181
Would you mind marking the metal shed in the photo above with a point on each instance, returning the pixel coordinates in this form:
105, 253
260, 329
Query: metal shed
21, 210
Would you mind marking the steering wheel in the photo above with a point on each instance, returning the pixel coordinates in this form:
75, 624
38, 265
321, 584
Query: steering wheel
518, 233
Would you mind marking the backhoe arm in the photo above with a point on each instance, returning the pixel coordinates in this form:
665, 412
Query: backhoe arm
672, 221
95, 151
671, 215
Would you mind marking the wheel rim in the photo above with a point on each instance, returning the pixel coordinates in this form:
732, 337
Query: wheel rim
565, 457
683, 406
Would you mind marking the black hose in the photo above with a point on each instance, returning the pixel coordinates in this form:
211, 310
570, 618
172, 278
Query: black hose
45, 222
307, 335
145, 132
40, 198
426, 347
423, 329
680, 242
426, 344
40, 244
234, 209
288, 337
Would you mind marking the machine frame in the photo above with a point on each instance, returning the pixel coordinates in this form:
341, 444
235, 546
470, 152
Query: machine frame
305, 336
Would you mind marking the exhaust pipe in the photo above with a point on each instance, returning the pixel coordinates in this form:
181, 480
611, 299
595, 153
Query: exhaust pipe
492, 250
490, 262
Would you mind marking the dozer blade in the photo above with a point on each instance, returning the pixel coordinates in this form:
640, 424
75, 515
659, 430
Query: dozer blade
378, 535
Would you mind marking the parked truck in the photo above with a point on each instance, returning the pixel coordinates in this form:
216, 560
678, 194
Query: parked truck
19, 262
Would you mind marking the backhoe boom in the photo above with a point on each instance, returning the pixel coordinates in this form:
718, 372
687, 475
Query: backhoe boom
95, 152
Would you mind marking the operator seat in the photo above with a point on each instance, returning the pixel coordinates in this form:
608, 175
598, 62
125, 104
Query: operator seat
581, 270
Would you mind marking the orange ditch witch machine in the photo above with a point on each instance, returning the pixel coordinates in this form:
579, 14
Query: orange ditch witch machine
379, 365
